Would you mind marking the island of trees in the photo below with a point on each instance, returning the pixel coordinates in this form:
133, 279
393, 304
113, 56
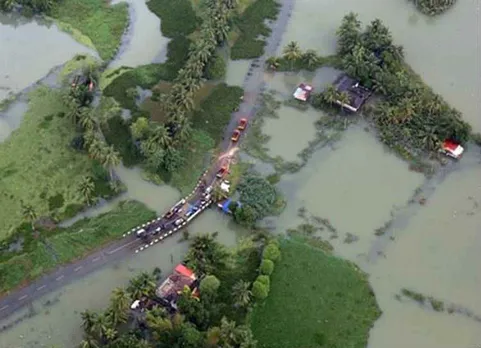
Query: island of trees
410, 117
433, 7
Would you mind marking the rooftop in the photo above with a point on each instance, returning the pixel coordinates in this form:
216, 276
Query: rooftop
303, 92
357, 93
175, 283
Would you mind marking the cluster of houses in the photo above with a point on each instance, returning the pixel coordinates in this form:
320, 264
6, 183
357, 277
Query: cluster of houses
168, 292
358, 94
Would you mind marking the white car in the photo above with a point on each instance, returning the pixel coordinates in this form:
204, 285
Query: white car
452, 149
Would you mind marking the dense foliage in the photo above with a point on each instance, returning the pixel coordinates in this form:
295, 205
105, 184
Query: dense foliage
216, 319
433, 7
259, 199
36, 6
216, 67
177, 18
315, 300
251, 25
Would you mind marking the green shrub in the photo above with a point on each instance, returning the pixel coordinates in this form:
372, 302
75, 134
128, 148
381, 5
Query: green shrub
264, 279
260, 291
216, 68
266, 267
271, 252
177, 18
251, 25
216, 110
55, 202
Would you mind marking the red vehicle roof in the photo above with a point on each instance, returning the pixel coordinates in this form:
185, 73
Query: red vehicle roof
186, 272
450, 145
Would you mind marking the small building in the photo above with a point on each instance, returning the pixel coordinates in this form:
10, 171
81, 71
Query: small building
172, 287
303, 92
358, 94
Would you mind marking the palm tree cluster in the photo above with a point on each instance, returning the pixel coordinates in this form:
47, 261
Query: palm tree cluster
36, 6
410, 118
89, 121
199, 322
160, 144
294, 58
331, 96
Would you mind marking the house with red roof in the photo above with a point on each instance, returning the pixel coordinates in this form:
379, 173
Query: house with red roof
170, 289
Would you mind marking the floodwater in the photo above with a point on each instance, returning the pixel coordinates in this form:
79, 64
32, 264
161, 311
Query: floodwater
355, 184
29, 49
143, 42
448, 60
434, 248
57, 321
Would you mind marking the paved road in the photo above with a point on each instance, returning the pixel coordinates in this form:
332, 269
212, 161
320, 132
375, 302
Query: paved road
254, 85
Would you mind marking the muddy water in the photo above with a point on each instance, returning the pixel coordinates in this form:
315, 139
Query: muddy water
143, 42
435, 248
236, 72
58, 323
447, 59
29, 49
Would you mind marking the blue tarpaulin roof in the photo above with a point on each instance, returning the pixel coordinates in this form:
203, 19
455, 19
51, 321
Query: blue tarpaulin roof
225, 205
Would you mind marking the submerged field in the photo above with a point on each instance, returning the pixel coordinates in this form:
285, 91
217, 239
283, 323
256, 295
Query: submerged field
39, 167
94, 23
61, 245
316, 300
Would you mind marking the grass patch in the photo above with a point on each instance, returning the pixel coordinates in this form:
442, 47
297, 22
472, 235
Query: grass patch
250, 26
67, 244
194, 154
177, 18
216, 110
328, 299
147, 76
38, 162
78, 63
102, 23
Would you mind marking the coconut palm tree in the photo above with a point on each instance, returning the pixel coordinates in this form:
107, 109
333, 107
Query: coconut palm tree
86, 189
241, 293
218, 195
89, 342
111, 159
86, 118
184, 129
343, 99
142, 285
161, 136
7, 5
96, 149
119, 306
330, 94
88, 321
100, 326
310, 58
273, 63
29, 214
291, 52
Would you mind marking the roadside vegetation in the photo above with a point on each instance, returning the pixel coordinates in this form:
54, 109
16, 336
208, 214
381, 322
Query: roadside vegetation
410, 118
433, 7
315, 300
41, 148
232, 280
35, 250
250, 25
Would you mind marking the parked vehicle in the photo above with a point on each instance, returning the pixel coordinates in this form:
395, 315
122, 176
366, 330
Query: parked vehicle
141, 233
242, 124
236, 135
452, 149
179, 222
222, 171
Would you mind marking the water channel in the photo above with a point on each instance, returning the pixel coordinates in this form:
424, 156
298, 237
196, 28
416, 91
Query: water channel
356, 184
